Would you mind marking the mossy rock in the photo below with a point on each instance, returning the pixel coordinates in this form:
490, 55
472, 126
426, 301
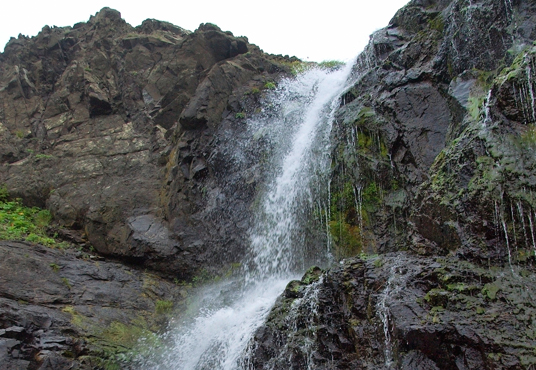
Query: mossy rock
312, 275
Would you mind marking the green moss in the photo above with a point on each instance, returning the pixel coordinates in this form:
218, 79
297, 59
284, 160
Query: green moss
240, 115
312, 275
269, 85
365, 116
475, 106
378, 262
371, 196
43, 156
347, 239
437, 297
490, 290
437, 23
77, 319
528, 136
460, 287
364, 141
163, 307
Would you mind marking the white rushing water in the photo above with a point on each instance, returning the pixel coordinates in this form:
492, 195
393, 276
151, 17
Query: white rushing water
223, 317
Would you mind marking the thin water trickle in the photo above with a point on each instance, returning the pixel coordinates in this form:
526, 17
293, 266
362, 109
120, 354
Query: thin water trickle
532, 232
522, 217
396, 282
531, 92
224, 316
487, 109
502, 221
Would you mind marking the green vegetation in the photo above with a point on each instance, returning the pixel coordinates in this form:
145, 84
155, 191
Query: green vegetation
330, 64
44, 156
117, 343
121, 343
18, 222
240, 115
346, 236
437, 24
269, 85
490, 290
66, 282
163, 307
475, 105
297, 66
528, 137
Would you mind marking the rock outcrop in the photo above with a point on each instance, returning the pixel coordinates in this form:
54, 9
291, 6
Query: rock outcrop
405, 312
72, 310
114, 129
433, 169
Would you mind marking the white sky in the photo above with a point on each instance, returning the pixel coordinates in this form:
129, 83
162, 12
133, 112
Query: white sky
331, 29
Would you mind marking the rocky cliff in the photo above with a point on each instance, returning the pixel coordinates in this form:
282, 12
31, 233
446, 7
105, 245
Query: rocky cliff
124, 135
432, 183
131, 137
116, 130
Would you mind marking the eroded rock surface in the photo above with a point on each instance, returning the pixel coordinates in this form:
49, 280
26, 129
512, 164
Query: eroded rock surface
405, 312
71, 310
107, 125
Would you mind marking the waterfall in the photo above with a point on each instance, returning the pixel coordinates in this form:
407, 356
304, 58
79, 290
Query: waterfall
223, 317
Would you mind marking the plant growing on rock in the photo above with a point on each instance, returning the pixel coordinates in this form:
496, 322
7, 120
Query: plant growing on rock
18, 222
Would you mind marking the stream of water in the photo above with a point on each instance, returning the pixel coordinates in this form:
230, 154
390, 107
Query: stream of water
223, 317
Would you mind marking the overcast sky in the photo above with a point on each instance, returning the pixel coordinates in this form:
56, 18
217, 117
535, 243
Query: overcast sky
314, 31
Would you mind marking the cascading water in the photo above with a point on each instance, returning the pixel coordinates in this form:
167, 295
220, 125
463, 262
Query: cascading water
223, 317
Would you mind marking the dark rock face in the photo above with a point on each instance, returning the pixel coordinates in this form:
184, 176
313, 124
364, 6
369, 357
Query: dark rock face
434, 155
443, 313
68, 310
426, 85
111, 127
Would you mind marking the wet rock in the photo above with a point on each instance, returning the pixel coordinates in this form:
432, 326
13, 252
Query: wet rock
60, 309
347, 328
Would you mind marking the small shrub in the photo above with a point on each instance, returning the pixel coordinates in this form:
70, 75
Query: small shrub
18, 222
269, 85
240, 115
